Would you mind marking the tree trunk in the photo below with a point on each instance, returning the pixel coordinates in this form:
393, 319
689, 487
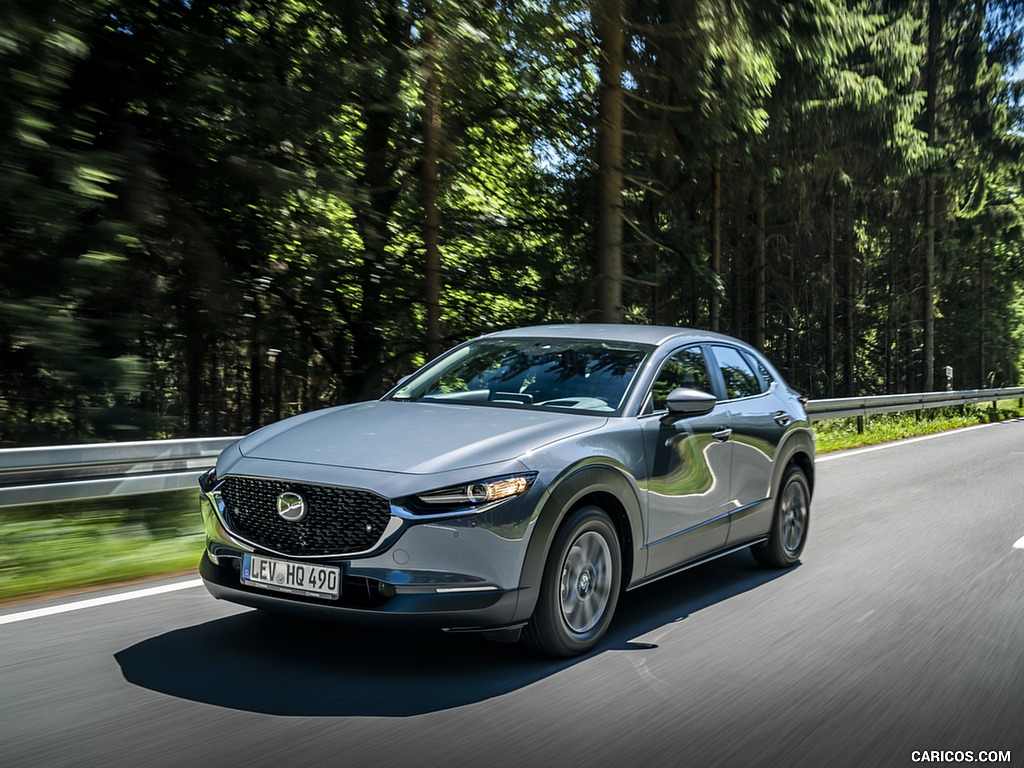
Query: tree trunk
694, 287
830, 300
608, 294
382, 113
694, 302
714, 306
928, 296
850, 358
737, 298
907, 332
194, 371
255, 368
931, 106
791, 316
760, 279
216, 391
793, 308
431, 150
890, 315
982, 314
278, 386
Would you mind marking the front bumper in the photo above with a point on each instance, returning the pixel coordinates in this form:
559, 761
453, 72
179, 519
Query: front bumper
370, 602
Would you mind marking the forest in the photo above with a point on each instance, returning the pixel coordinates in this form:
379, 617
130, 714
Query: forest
217, 214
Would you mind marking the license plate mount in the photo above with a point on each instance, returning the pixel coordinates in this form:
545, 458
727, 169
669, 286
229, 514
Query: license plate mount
295, 578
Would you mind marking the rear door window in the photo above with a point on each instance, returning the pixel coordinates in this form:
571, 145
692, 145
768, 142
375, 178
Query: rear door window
740, 379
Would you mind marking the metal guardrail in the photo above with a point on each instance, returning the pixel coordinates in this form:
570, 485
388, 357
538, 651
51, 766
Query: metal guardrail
75, 472
842, 407
78, 472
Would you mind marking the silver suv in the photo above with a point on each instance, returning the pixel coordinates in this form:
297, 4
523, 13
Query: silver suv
517, 485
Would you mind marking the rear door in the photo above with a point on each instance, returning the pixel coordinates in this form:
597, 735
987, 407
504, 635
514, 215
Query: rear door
752, 412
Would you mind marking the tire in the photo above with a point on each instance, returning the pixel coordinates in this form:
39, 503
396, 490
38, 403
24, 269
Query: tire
580, 586
788, 533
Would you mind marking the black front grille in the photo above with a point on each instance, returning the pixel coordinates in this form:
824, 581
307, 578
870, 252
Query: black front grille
337, 521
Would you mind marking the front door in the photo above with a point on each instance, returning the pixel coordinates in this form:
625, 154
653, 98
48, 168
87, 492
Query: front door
688, 461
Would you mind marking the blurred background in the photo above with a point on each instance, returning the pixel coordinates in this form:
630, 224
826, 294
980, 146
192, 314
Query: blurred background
215, 214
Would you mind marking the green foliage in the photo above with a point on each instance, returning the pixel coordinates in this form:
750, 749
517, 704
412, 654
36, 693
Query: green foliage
214, 213
69, 362
73, 545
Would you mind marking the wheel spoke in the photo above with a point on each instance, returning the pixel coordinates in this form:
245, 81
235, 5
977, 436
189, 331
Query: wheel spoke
570, 603
585, 585
794, 517
586, 611
590, 547
790, 537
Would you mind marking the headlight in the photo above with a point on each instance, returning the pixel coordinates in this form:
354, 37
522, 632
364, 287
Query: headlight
474, 496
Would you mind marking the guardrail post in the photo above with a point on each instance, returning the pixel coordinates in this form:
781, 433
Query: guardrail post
860, 425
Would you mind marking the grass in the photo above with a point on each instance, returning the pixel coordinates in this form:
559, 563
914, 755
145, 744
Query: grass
840, 434
53, 547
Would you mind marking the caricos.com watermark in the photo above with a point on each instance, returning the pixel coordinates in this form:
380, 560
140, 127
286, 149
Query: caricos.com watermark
959, 756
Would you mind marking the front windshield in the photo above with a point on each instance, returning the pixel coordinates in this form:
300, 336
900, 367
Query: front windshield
558, 374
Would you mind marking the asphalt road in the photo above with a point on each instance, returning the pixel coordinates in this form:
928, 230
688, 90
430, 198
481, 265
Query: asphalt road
903, 630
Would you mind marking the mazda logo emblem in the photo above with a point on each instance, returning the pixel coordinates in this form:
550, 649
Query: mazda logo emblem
291, 506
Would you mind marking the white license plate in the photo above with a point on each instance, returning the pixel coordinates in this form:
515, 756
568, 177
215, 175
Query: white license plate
287, 576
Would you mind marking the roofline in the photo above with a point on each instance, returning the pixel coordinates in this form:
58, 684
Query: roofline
645, 334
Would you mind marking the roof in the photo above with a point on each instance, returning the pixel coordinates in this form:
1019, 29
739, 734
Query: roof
639, 334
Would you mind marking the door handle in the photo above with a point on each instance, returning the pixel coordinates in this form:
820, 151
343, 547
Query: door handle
722, 434
782, 418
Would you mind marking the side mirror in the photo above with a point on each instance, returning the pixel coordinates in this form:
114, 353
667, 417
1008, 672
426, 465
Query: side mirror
690, 402
402, 380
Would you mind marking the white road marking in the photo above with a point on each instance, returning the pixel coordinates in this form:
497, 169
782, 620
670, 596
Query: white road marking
1019, 544
898, 443
52, 610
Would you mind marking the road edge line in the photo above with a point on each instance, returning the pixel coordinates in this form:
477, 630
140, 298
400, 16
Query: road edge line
93, 602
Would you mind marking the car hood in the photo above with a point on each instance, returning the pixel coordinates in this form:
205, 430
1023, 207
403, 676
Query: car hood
413, 437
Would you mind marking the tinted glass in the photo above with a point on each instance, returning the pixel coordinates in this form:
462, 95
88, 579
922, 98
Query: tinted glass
685, 368
562, 374
762, 373
740, 380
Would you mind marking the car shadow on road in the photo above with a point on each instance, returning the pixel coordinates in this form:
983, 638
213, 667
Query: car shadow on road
274, 665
